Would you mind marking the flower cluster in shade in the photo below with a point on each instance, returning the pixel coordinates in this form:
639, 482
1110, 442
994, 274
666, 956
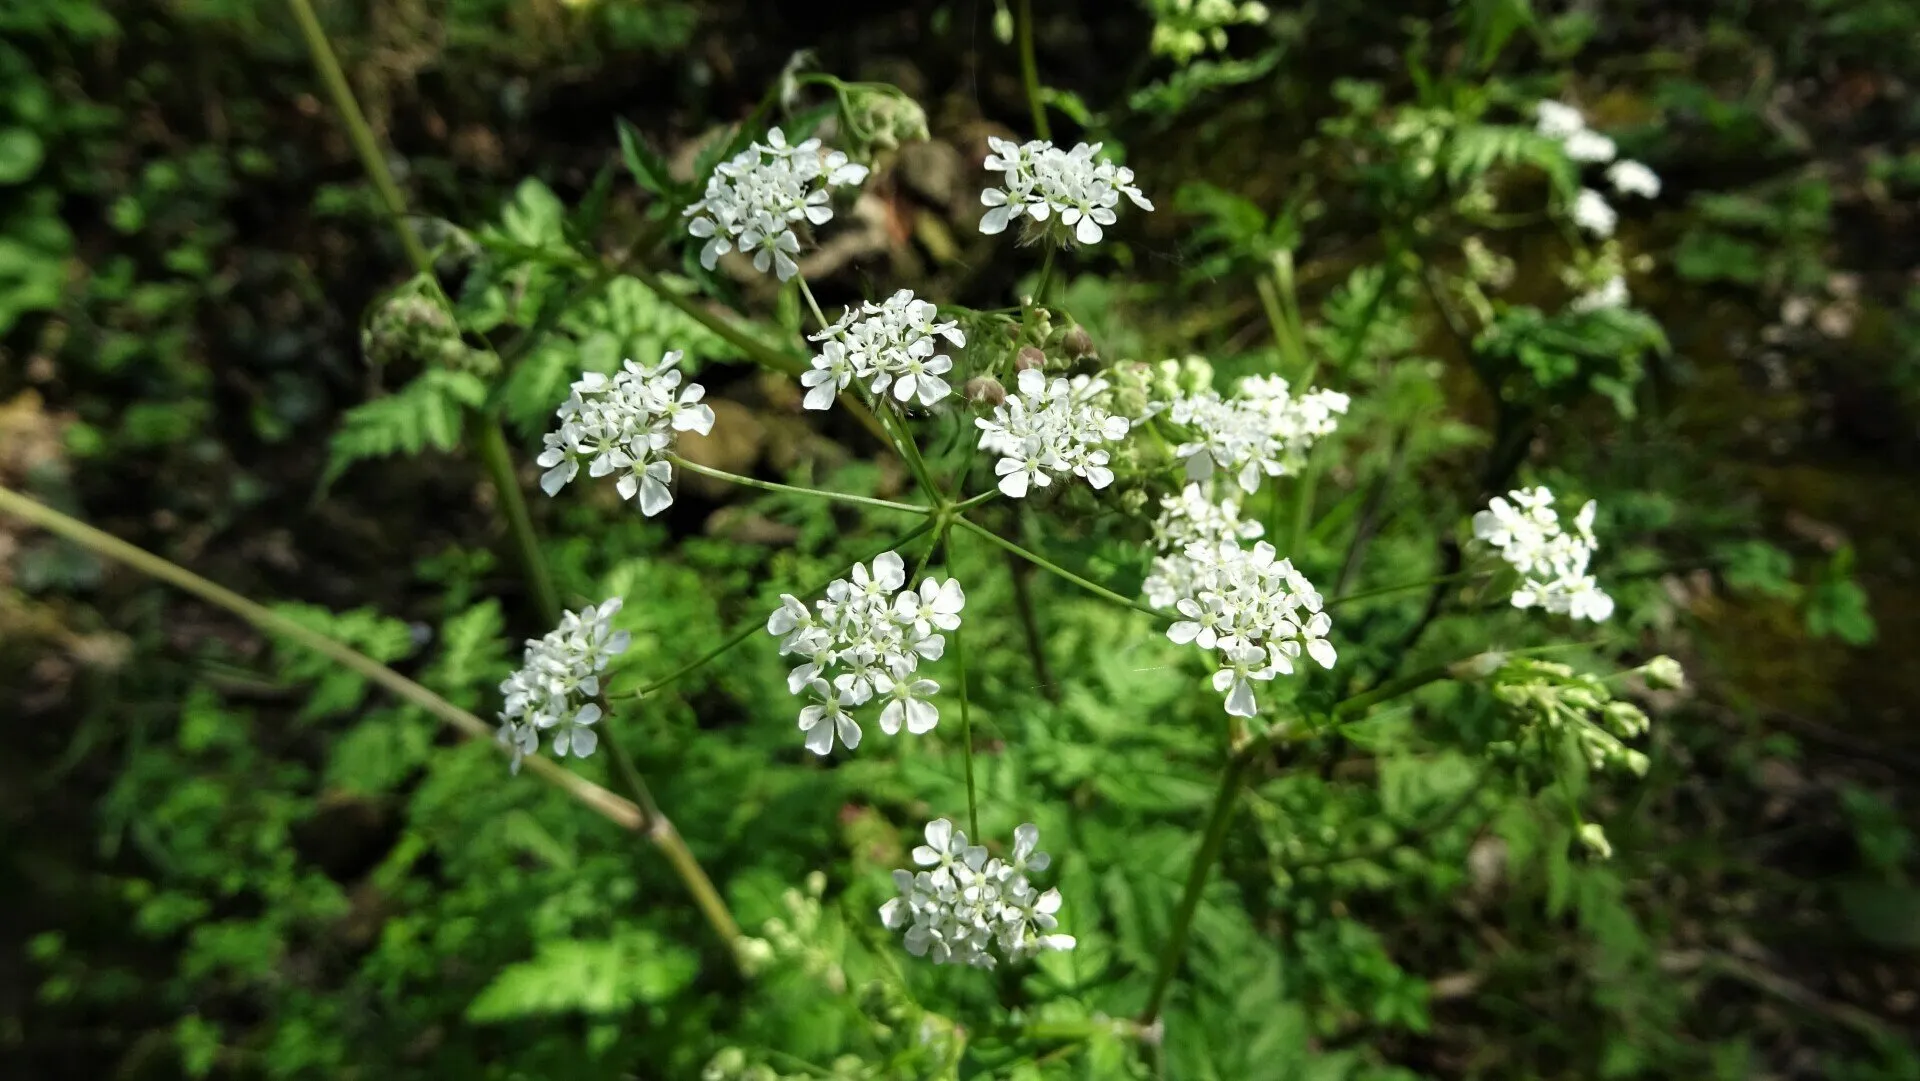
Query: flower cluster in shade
1185, 519
1565, 125
864, 641
625, 425
1264, 430
754, 200
962, 907
1552, 562
1253, 611
1068, 195
893, 345
1051, 427
559, 676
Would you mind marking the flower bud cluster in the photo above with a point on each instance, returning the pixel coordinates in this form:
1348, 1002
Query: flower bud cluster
1256, 612
1552, 563
1066, 194
864, 640
962, 907
1185, 519
753, 201
1264, 430
558, 675
1051, 426
888, 346
1183, 29
1555, 700
626, 424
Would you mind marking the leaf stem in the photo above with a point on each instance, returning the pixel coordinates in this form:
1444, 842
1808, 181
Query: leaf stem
1048, 565
775, 486
1211, 842
491, 443
1030, 72
966, 736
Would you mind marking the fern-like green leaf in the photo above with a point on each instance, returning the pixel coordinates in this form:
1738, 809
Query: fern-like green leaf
426, 413
1474, 150
335, 689
601, 977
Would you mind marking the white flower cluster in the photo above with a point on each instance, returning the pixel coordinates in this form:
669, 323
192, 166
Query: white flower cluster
1263, 430
1552, 562
1591, 211
1613, 294
754, 200
558, 673
1257, 612
626, 423
889, 345
962, 905
876, 633
1046, 184
1051, 426
1184, 519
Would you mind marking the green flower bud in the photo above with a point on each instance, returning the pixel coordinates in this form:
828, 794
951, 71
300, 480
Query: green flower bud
1663, 673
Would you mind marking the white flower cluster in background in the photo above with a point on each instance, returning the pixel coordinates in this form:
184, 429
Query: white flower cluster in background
1255, 611
625, 425
888, 346
865, 640
558, 675
1048, 185
1264, 430
1591, 211
1184, 519
1552, 562
962, 906
1051, 426
753, 201
1613, 294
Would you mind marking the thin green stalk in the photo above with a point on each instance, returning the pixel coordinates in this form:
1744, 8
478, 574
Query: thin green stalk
775, 486
1403, 587
623, 813
910, 451
1303, 503
813, 305
1030, 72
1048, 565
966, 736
1017, 574
491, 443
1045, 281
674, 847
991, 493
1211, 843
749, 628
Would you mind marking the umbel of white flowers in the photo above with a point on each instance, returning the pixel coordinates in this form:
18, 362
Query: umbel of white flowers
1552, 563
559, 674
1051, 426
864, 640
961, 907
1065, 195
754, 200
1263, 431
1256, 612
1185, 519
888, 346
625, 425
1565, 125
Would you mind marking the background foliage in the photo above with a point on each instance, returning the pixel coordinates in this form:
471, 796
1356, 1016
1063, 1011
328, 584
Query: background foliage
228, 860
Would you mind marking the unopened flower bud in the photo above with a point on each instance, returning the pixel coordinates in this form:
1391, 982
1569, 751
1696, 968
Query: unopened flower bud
1626, 718
1078, 343
985, 389
1028, 358
1663, 673
1476, 668
1595, 839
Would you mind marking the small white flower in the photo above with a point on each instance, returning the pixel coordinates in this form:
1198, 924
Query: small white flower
893, 345
1264, 431
1557, 121
1551, 562
1067, 195
961, 907
754, 201
1050, 427
1592, 212
626, 424
1633, 178
826, 717
559, 675
1611, 295
1589, 146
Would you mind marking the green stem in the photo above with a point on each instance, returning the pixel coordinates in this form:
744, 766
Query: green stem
1045, 281
775, 486
813, 305
1048, 565
1403, 587
966, 736
1030, 72
485, 429
620, 811
674, 847
748, 629
1303, 504
1211, 843
491, 443
991, 493
910, 451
